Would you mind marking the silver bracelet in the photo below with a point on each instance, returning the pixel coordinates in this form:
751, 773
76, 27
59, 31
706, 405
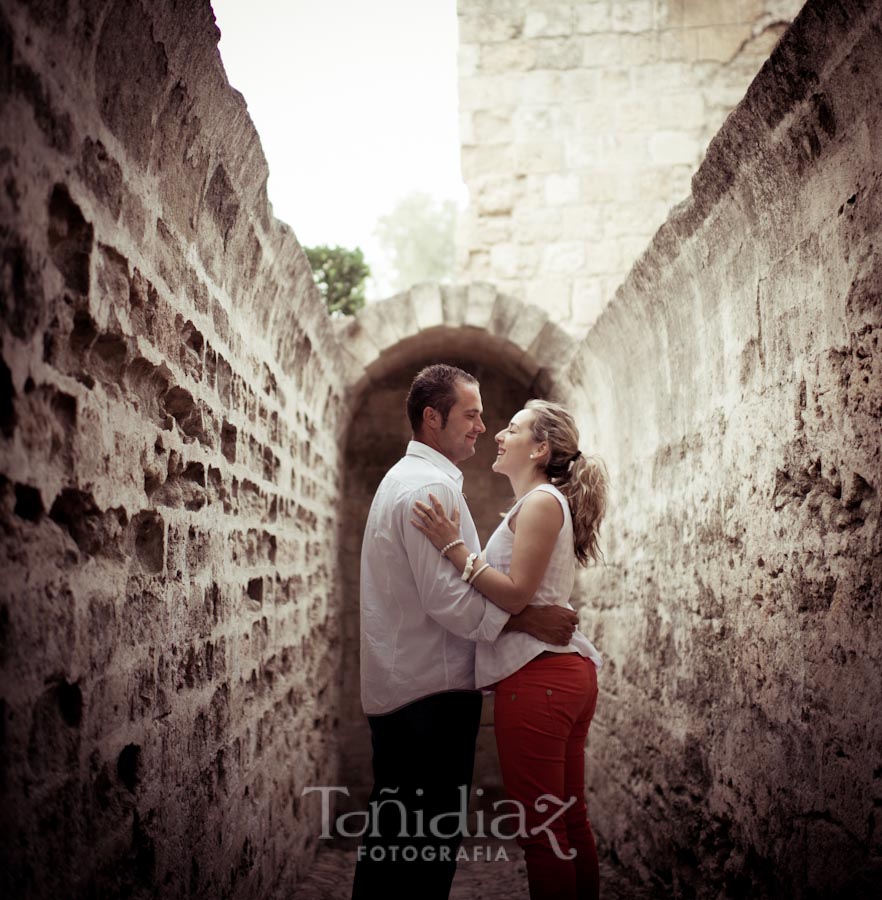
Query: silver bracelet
470, 564
474, 575
450, 546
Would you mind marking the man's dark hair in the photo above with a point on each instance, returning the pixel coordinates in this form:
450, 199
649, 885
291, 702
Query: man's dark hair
435, 387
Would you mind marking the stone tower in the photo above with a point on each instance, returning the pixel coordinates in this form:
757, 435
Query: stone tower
582, 124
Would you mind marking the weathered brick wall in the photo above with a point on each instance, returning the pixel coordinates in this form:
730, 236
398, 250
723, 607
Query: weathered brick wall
170, 411
734, 386
581, 124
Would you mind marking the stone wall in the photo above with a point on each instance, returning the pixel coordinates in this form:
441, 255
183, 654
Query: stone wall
581, 124
169, 629
734, 385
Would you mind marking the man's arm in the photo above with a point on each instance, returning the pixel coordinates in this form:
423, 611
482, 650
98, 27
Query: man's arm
443, 595
550, 624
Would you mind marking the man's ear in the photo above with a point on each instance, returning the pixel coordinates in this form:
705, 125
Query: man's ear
431, 419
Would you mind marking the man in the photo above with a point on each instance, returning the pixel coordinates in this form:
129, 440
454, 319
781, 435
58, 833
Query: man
419, 622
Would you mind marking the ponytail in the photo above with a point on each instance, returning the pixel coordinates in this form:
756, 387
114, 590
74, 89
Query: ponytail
586, 490
583, 480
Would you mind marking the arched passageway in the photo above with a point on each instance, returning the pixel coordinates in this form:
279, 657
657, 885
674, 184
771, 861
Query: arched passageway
378, 432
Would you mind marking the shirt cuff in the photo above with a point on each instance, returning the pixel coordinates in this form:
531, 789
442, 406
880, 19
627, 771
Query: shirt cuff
493, 622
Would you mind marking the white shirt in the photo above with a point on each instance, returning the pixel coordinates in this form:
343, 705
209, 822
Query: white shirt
516, 648
419, 620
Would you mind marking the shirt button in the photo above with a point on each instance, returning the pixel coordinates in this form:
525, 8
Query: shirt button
513, 696
548, 692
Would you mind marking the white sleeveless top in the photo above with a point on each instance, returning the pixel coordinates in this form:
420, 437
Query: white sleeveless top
513, 649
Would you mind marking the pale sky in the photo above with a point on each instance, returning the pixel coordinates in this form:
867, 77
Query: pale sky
355, 102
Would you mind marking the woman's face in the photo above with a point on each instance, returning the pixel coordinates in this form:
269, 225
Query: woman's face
515, 444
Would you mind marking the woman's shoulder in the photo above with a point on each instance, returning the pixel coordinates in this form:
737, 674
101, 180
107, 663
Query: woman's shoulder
544, 500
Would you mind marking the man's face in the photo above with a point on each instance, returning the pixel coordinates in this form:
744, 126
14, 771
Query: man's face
456, 440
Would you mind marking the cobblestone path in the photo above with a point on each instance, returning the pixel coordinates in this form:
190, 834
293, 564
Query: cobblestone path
330, 877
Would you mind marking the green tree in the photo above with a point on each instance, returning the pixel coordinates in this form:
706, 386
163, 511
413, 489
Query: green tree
418, 237
339, 275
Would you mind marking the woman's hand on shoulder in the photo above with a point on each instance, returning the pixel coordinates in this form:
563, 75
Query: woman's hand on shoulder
434, 522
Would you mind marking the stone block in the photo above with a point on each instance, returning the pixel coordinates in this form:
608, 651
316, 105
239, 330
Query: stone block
533, 314
607, 184
602, 257
561, 190
485, 27
591, 18
551, 122
359, 343
632, 15
667, 14
558, 53
670, 148
710, 12
477, 266
490, 128
540, 88
639, 49
637, 113
616, 82
601, 50
594, 117
538, 156
479, 305
492, 159
563, 257
721, 43
678, 44
661, 78
505, 312
579, 84
505, 260
627, 150
536, 225
495, 229
687, 110
515, 56
586, 222
496, 92
549, 21
454, 301
554, 347
495, 195
428, 305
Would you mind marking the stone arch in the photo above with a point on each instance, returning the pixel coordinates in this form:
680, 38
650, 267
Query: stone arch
515, 350
523, 339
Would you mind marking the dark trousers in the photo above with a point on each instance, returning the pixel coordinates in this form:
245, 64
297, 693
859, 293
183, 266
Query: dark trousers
423, 757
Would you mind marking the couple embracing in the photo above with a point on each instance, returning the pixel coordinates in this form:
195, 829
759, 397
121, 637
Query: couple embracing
441, 620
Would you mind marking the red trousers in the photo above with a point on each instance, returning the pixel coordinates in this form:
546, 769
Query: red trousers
541, 721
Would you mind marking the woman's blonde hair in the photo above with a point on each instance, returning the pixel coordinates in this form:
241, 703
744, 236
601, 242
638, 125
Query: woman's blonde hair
581, 479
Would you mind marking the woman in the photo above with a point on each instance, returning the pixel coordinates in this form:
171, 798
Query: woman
545, 695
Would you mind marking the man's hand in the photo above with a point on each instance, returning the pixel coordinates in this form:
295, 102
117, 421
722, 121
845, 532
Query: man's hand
551, 624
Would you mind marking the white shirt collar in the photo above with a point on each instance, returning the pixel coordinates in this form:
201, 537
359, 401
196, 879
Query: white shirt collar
424, 451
